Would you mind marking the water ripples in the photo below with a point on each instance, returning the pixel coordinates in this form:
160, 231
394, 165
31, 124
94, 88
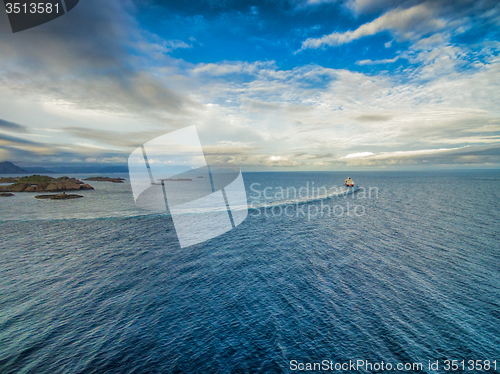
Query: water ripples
414, 279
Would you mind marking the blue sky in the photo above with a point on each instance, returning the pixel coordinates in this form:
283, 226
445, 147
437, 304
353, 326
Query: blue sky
278, 85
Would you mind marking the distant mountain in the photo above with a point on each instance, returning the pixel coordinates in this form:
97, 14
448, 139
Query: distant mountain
114, 169
39, 170
75, 169
7, 167
92, 169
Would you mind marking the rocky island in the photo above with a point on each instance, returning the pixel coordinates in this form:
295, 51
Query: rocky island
105, 179
42, 183
61, 196
6, 194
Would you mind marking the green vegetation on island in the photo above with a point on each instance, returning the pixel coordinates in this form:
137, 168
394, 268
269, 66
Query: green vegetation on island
8, 179
43, 183
105, 179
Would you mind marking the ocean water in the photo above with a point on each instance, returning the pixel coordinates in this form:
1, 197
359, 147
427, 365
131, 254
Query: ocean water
407, 273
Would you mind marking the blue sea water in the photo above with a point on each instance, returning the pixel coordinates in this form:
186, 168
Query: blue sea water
95, 285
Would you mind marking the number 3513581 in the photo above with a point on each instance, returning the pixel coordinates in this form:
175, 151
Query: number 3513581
32, 8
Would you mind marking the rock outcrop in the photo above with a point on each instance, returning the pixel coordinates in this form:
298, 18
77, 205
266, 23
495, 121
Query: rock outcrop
8, 179
43, 183
105, 179
61, 196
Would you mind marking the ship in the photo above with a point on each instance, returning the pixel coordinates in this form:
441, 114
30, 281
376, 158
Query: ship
349, 182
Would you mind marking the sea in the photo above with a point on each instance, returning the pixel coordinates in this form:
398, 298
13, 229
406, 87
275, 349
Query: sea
402, 270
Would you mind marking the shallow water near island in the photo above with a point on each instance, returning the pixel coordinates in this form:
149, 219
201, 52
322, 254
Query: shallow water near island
96, 285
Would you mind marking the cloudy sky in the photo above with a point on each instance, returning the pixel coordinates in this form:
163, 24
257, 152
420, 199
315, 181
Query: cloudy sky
280, 85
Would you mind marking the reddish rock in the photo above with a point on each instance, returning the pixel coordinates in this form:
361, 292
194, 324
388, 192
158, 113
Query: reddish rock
70, 186
86, 187
52, 187
17, 187
41, 187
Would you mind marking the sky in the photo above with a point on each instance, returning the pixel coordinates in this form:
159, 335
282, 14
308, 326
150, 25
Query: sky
270, 85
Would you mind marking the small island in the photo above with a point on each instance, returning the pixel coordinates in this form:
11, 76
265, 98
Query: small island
105, 179
43, 183
61, 196
8, 179
6, 194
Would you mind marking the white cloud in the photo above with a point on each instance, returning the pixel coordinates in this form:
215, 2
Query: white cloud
306, 117
443, 156
357, 155
277, 158
283, 118
367, 6
317, 2
376, 62
406, 24
219, 69
104, 160
91, 145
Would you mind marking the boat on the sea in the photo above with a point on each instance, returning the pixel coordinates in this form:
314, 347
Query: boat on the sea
349, 182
